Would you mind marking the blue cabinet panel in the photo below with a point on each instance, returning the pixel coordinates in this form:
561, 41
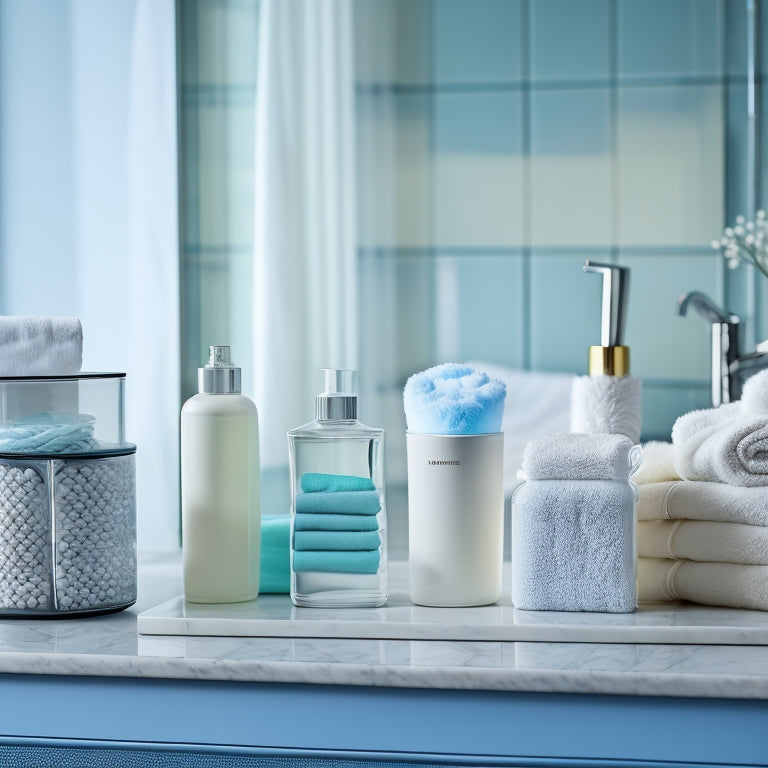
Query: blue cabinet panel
497, 726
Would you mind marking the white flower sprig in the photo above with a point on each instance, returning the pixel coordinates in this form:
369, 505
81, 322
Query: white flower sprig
746, 241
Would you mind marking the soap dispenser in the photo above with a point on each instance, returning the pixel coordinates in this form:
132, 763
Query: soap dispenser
338, 516
608, 399
220, 487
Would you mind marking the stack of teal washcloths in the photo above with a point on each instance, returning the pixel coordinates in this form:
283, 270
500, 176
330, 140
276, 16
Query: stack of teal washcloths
336, 528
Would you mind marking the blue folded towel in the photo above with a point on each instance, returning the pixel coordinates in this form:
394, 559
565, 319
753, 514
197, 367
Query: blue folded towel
452, 399
340, 502
336, 540
573, 546
310, 521
315, 482
337, 562
275, 559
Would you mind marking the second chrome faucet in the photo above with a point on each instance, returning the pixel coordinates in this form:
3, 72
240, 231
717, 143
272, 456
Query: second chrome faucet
729, 367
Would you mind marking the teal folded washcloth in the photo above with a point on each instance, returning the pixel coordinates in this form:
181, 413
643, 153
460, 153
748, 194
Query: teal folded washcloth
340, 502
314, 482
275, 560
337, 562
310, 521
344, 540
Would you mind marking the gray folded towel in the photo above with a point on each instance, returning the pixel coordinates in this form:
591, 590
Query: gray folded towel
571, 456
40, 346
573, 546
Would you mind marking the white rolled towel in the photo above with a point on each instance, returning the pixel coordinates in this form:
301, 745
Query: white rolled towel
611, 404
704, 541
722, 445
723, 584
40, 346
690, 500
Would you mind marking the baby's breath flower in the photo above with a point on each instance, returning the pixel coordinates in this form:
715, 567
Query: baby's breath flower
746, 241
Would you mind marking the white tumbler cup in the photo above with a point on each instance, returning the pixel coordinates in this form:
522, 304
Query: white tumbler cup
455, 518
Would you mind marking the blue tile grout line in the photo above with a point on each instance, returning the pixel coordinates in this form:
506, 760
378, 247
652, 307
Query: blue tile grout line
518, 251
527, 213
506, 86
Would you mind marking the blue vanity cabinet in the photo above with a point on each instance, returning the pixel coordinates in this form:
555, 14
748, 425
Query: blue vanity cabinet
163, 723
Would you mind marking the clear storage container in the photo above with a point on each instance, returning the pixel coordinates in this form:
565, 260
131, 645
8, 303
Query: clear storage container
67, 496
338, 513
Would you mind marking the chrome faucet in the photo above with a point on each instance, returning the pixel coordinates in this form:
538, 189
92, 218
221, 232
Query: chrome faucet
729, 368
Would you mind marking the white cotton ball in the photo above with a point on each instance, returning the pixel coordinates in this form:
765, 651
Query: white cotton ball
754, 397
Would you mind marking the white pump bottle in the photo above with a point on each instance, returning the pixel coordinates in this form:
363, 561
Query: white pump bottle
220, 487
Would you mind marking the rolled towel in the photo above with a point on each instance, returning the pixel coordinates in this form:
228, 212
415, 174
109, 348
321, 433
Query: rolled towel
573, 546
315, 482
40, 346
313, 522
658, 464
275, 556
336, 540
46, 433
572, 456
610, 404
690, 500
453, 399
704, 541
723, 584
340, 502
337, 562
722, 445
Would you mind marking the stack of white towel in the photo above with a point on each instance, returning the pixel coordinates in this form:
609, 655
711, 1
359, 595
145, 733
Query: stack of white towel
702, 513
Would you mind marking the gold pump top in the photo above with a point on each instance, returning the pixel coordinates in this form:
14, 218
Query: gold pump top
609, 361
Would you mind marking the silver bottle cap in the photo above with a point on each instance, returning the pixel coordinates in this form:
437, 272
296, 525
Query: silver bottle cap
219, 376
337, 403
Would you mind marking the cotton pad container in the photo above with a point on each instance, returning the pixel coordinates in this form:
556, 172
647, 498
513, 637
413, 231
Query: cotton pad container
455, 453
67, 496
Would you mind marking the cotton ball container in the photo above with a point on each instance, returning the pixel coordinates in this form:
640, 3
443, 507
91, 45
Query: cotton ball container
67, 497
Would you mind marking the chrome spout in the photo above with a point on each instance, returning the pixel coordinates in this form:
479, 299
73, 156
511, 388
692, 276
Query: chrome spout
726, 386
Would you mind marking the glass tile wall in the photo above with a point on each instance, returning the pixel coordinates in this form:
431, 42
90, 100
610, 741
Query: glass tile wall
503, 142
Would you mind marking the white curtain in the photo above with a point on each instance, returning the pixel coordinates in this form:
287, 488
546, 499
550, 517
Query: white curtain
89, 207
305, 275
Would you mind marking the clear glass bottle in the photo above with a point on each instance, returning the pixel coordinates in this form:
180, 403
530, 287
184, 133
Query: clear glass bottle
338, 513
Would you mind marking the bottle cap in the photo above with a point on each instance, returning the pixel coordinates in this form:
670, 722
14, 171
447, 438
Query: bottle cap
339, 401
219, 376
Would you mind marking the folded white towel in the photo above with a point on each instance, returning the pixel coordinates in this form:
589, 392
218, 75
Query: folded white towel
658, 464
723, 584
40, 346
722, 445
571, 456
704, 541
690, 500
606, 404
573, 546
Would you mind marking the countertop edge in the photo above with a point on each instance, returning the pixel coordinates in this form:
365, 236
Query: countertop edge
678, 685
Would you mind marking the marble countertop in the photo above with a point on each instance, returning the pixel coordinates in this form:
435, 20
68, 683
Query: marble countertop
112, 646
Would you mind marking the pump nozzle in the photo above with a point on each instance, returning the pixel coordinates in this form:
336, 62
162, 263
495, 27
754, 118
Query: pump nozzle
611, 357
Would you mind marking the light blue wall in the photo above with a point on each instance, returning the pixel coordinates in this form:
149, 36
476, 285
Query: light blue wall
523, 137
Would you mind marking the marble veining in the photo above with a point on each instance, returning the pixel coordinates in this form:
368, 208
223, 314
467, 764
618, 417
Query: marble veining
112, 646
